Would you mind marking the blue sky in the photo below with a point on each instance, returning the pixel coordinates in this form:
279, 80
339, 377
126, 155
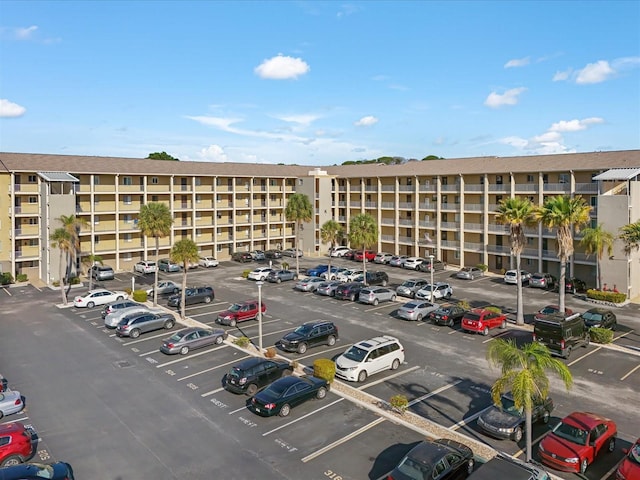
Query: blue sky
319, 83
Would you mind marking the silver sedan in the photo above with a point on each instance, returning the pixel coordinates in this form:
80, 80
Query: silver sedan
416, 310
328, 288
10, 402
166, 287
309, 284
375, 295
192, 338
113, 319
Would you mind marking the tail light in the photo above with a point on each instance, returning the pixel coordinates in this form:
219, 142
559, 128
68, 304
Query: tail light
270, 406
445, 317
17, 402
562, 344
534, 337
170, 345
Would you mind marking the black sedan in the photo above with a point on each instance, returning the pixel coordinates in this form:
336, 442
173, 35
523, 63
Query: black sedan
192, 296
54, 471
600, 317
192, 338
508, 421
447, 314
438, 460
284, 394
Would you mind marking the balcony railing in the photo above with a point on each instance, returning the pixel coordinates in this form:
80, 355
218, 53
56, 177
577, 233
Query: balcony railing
505, 249
406, 188
427, 187
499, 187
526, 187
370, 188
586, 188
473, 207
473, 187
408, 205
388, 205
557, 187
405, 239
450, 243
388, 188
355, 204
387, 221
450, 188
474, 247
371, 204
387, 238
406, 221
450, 225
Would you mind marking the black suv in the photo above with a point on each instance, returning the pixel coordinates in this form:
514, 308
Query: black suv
600, 317
574, 285
309, 334
349, 291
242, 257
505, 466
253, 374
192, 295
377, 278
425, 266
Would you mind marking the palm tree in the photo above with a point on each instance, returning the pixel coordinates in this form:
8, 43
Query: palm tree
91, 260
565, 214
517, 213
73, 225
155, 221
630, 235
331, 233
363, 232
184, 252
298, 210
524, 374
596, 240
61, 239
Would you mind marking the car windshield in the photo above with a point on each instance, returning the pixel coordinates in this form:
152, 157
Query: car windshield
303, 329
549, 310
592, 316
235, 307
413, 469
409, 283
176, 337
634, 454
509, 406
356, 354
411, 305
571, 433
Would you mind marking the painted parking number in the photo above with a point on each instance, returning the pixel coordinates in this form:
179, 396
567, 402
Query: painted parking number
44, 455
333, 475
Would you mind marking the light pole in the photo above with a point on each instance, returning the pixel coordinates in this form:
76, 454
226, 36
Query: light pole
259, 284
431, 269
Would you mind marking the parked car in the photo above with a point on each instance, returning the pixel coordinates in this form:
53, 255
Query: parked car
36, 471
551, 310
504, 466
309, 334
426, 266
600, 317
366, 255
542, 280
98, 296
481, 321
145, 267
508, 422
576, 441
277, 276
440, 459
102, 272
349, 291
132, 326
470, 273
259, 273
113, 319
191, 339
166, 265
165, 287
208, 262
349, 255
288, 392
333, 274
309, 284
561, 334
338, 251
374, 278
511, 277
375, 295
257, 255
574, 285
397, 260
192, 296
249, 376
412, 263
382, 258
18, 443
328, 288
292, 252
349, 275
273, 254
440, 290
317, 270
119, 305
10, 402
416, 310
408, 288
240, 312
629, 469
242, 257
447, 314
369, 357
4, 384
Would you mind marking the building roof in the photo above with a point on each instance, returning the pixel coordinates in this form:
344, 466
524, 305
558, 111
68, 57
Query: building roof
618, 174
57, 177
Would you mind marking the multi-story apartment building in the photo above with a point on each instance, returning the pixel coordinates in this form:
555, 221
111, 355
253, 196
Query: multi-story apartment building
442, 207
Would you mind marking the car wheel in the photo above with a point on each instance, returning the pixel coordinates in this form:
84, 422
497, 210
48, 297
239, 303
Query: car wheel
91, 305
393, 298
568, 354
252, 388
503, 325
322, 392
470, 466
1, 414
331, 341
485, 332
384, 283
219, 340
135, 333
352, 298
517, 434
612, 444
587, 340
395, 365
233, 322
285, 410
169, 324
450, 324
362, 376
302, 348
412, 295
207, 299
613, 327
546, 416
375, 301
175, 290
295, 277
11, 461
583, 465
184, 350
279, 280
419, 317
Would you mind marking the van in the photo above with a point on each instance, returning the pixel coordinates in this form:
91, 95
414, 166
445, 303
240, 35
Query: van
561, 334
368, 357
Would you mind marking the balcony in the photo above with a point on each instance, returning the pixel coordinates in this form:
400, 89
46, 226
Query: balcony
474, 247
450, 207
427, 188
450, 225
587, 188
473, 207
405, 239
406, 205
497, 228
406, 221
406, 188
474, 227
473, 187
557, 187
388, 205
450, 188
499, 249
371, 204
387, 221
527, 187
499, 187
454, 244
388, 188
388, 238
355, 204
371, 188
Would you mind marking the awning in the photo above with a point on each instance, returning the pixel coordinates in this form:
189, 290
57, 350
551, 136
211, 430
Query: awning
58, 177
618, 174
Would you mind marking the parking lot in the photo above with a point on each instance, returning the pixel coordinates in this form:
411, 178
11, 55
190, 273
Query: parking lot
172, 413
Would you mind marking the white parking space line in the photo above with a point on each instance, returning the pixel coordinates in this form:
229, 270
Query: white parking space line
213, 368
613, 469
533, 442
303, 417
452, 332
151, 337
148, 353
342, 440
237, 410
323, 351
212, 392
21, 419
623, 335
189, 357
435, 392
386, 305
584, 356
624, 377
497, 336
470, 419
389, 377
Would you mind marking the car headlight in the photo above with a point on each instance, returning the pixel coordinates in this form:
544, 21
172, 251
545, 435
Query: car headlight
540, 448
505, 430
350, 369
572, 460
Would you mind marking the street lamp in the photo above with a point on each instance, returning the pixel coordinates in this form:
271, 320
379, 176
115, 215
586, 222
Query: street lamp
431, 269
259, 284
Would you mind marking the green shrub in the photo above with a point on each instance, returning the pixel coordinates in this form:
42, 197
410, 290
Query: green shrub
612, 297
284, 266
493, 309
464, 304
601, 335
140, 295
128, 291
22, 277
56, 283
74, 281
246, 273
325, 369
6, 278
482, 267
242, 341
399, 403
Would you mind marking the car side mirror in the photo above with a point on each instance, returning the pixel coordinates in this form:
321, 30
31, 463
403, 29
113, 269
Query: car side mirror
369, 359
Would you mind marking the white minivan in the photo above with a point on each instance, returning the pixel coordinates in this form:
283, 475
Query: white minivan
368, 357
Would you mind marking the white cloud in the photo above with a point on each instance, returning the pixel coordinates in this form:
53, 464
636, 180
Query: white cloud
10, 110
625, 62
517, 62
562, 76
347, 9
595, 73
575, 125
25, 33
212, 153
303, 119
366, 121
219, 122
282, 68
510, 97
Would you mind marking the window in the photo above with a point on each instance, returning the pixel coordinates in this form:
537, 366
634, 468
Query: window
218, 198
33, 242
127, 199
154, 198
32, 179
300, 181
529, 178
154, 180
445, 181
219, 248
198, 232
127, 257
498, 179
198, 215
128, 237
96, 179
409, 181
96, 200
33, 199
127, 181
545, 178
96, 239
33, 221
564, 178
198, 181
198, 198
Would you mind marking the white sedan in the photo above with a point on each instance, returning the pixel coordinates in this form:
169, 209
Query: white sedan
99, 296
208, 262
10, 402
145, 267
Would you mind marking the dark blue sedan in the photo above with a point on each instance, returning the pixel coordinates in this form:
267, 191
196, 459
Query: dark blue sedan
284, 394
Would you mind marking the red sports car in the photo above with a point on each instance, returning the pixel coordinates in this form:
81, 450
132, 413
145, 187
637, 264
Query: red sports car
629, 469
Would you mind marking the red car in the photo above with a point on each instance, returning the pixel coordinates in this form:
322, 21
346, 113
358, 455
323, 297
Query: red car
240, 312
480, 320
3, 384
551, 310
17, 444
368, 254
575, 442
629, 469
